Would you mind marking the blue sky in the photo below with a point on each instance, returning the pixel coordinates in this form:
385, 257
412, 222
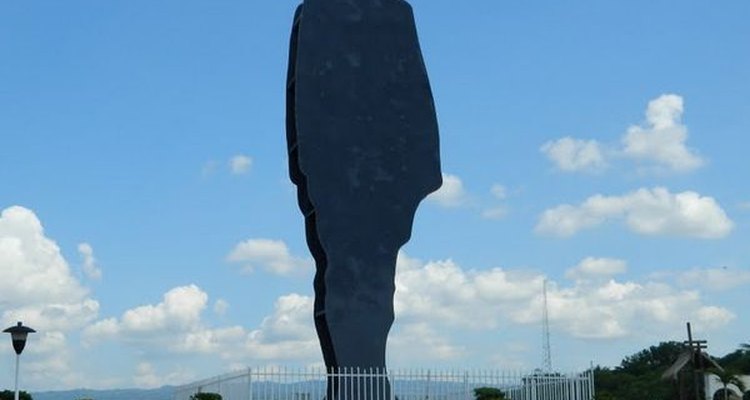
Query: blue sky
150, 233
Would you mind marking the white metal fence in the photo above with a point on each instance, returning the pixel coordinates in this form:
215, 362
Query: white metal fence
422, 384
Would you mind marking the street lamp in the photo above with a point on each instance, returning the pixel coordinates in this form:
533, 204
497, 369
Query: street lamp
18, 334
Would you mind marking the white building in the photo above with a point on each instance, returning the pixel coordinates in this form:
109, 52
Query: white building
713, 385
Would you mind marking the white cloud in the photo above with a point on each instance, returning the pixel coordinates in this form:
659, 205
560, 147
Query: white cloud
575, 155
173, 325
646, 211
221, 307
272, 255
495, 213
421, 341
49, 359
500, 211
176, 325
90, 266
286, 334
290, 319
179, 310
181, 307
38, 286
662, 140
445, 296
499, 191
438, 306
659, 145
714, 317
451, 194
714, 279
147, 377
240, 164
592, 267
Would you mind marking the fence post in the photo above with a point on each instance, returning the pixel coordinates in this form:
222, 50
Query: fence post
467, 395
427, 388
249, 383
358, 384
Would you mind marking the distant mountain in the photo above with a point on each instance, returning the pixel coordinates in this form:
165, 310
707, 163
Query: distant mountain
162, 393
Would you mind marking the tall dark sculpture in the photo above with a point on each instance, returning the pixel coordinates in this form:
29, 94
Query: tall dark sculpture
363, 151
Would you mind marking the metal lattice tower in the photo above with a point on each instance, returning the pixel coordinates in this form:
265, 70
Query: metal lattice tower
546, 348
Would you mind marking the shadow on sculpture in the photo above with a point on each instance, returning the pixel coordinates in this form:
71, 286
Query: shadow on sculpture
363, 149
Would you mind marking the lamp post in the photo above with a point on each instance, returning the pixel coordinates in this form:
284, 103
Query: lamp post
18, 334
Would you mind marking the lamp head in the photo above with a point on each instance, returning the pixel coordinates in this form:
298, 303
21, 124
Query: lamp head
18, 335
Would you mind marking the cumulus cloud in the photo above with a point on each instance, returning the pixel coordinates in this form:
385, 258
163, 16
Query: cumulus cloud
444, 294
575, 155
662, 139
286, 334
48, 360
436, 303
452, 194
38, 286
271, 255
179, 310
90, 266
421, 341
714, 279
646, 211
496, 213
592, 267
176, 325
147, 377
221, 307
240, 164
659, 144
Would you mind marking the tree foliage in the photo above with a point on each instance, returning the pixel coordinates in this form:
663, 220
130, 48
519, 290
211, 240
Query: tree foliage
738, 361
488, 393
10, 395
654, 358
639, 376
206, 396
728, 377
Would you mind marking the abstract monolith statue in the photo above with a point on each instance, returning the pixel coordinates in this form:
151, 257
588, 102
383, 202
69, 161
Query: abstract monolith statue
363, 151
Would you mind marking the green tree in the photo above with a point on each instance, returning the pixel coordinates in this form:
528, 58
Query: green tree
658, 357
738, 361
206, 396
488, 393
728, 377
638, 376
10, 395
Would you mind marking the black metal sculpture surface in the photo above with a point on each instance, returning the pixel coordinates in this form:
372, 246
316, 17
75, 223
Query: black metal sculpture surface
363, 151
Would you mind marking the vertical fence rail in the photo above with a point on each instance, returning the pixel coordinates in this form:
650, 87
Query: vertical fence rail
373, 384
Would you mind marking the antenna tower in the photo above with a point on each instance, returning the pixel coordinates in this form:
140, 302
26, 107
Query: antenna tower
546, 349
